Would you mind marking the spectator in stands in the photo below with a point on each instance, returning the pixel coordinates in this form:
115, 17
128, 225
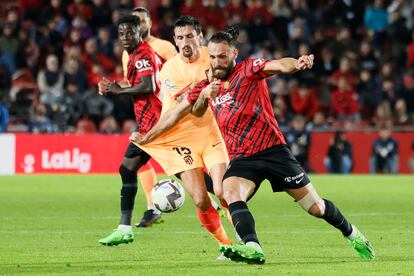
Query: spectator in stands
376, 21
109, 126
318, 122
96, 107
401, 117
339, 157
345, 101
367, 60
39, 121
50, 81
368, 95
8, 46
92, 56
282, 113
304, 100
408, 93
85, 126
344, 71
299, 141
73, 73
4, 117
105, 45
384, 158
72, 105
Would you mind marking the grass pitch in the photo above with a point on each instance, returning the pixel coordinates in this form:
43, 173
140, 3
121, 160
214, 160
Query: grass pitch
51, 225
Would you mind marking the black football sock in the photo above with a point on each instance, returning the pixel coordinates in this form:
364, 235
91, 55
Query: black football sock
128, 192
334, 217
243, 221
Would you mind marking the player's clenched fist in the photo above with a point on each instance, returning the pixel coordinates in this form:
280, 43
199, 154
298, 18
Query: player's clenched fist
305, 62
103, 86
137, 138
211, 90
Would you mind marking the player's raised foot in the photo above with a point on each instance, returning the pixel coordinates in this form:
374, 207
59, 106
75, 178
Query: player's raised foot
243, 253
150, 217
118, 237
362, 245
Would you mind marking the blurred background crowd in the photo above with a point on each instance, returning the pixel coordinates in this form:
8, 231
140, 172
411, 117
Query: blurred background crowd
53, 53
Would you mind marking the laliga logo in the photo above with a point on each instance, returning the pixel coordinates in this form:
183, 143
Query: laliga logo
60, 160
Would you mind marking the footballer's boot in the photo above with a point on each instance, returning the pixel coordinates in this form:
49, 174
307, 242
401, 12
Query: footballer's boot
243, 253
362, 245
150, 217
118, 237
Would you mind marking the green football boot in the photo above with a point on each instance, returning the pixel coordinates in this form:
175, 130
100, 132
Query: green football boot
118, 237
243, 253
362, 245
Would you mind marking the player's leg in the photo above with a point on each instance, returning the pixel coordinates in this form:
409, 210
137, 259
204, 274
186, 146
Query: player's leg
134, 159
310, 201
148, 179
237, 191
193, 181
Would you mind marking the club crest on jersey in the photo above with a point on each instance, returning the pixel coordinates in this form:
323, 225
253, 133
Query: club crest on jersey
142, 64
168, 83
226, 85
258, 61
225, 99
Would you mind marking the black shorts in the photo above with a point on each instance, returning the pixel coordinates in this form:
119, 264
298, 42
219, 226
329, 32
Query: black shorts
134, 151
276, 164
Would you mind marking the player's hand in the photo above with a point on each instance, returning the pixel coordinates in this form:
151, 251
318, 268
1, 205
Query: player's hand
136, 138
211, 90
305, 62
103, 86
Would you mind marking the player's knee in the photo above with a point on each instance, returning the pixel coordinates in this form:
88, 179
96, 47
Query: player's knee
231, 196
218, 191
127, 175
202, 202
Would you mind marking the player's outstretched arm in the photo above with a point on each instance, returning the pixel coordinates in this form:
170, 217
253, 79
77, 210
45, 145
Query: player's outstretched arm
166, 122
201, 105
145, 86
288, 65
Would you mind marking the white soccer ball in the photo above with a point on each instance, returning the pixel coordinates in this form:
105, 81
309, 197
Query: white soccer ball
168, 195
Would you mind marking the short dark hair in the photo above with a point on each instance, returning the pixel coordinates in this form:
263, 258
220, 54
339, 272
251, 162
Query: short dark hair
230, 36
143, 10
129, 19
187, 20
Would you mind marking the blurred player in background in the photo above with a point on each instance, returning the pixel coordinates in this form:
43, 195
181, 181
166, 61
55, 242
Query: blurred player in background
196, 141
239, 98
142, 69
165, 50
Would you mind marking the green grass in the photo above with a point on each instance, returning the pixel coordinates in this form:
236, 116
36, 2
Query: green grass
51, 225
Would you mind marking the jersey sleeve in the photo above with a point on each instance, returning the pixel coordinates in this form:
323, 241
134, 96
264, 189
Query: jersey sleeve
254, 69
145, 64
193, 95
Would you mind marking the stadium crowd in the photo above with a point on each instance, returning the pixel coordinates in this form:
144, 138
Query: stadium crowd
53, 53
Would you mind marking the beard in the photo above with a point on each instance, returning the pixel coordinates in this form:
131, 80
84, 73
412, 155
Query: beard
222, 73
187, 52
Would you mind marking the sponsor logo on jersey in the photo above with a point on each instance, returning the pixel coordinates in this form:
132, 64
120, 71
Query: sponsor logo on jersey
297, 178
224, 99
143, 65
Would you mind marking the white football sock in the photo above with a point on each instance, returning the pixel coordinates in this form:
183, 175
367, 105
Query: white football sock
124, 227
353, 233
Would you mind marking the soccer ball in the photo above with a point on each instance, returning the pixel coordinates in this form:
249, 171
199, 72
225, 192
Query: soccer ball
168, 195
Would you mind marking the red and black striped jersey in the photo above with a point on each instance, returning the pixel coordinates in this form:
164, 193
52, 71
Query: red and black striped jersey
143, 61
243, 110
